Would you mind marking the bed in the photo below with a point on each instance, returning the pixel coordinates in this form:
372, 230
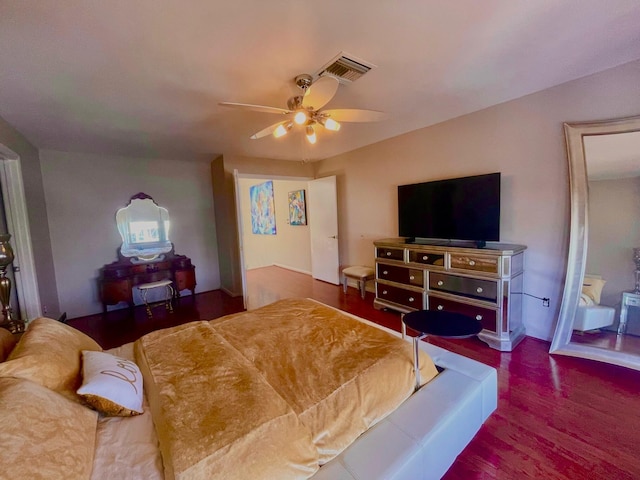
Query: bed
225, 399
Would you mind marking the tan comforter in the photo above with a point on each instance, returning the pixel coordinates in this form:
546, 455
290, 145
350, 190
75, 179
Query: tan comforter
271, 393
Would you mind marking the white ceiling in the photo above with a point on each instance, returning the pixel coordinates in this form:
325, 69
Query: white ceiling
144, 77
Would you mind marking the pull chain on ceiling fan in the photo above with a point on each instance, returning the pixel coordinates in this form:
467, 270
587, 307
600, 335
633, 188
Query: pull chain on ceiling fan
305, 110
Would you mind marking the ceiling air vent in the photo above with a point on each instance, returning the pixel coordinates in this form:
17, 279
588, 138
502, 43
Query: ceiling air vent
346, 68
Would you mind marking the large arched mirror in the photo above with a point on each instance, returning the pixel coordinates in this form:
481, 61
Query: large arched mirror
600, 314
144, 228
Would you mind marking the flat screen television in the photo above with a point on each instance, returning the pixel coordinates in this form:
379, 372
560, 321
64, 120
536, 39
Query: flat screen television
466, 208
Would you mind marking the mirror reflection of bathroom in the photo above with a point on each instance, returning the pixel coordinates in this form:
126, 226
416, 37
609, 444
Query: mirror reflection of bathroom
608, 314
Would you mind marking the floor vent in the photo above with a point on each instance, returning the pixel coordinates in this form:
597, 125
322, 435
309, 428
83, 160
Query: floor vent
346, 68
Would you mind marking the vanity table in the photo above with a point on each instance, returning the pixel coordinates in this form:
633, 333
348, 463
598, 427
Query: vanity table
146, 254
119, 278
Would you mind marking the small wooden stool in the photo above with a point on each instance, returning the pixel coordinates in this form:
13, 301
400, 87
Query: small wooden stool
145, 287
360, 274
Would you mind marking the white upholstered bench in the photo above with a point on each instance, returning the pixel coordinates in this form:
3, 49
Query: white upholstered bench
360, 275
167, 284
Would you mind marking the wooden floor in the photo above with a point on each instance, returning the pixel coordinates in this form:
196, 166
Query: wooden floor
557, 418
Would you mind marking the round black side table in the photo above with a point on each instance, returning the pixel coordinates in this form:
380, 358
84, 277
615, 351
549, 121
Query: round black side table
440, 324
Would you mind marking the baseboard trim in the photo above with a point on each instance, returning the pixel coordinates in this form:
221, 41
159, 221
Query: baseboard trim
293, 269
230, 293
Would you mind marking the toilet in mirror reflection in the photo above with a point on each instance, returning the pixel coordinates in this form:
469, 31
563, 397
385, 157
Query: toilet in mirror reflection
608, 312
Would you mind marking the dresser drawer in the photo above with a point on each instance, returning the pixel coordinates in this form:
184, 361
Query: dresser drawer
469, 287
116, 291
393, 273
401, 296
427, 258
150, 277
185, 279
390, 253
486, 316
475, 263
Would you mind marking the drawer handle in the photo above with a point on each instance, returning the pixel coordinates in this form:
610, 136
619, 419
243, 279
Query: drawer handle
478, 317
411, 299
479, 290
440, 307
384, 292
388, 254
440, 283
411, 277
472, 263
385, 273
425, 257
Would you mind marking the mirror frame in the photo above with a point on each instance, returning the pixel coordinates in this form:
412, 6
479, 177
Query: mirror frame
579, 227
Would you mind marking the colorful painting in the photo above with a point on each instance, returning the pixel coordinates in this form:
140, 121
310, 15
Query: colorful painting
297, 208
263, 212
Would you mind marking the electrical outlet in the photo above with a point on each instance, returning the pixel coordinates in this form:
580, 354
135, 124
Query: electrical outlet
545, 302
44, 309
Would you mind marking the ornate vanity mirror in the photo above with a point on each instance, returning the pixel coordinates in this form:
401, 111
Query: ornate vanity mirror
144, 228
600, 314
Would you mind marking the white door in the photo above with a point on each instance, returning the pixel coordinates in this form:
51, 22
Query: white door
323, 228
243, 272
25, 279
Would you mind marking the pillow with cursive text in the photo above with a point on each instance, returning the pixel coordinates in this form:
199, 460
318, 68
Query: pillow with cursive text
111, 385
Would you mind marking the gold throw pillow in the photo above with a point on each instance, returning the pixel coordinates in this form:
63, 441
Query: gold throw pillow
44, 435
49, 353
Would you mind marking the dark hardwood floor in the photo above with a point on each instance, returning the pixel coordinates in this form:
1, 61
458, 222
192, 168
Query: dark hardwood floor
557, 418
126, 325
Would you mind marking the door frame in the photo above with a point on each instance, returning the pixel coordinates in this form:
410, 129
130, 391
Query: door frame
26, 282
258, 176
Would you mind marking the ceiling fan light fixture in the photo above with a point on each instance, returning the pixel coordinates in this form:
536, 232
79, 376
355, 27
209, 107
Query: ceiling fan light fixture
330, 124
300, 117
282, 129
311, 135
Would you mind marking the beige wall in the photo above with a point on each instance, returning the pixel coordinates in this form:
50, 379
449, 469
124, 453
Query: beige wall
37, 213
614, 231
291, 246
83, 193
524, 140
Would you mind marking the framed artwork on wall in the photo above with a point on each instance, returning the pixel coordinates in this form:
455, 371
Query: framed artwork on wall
297, 208
263, 212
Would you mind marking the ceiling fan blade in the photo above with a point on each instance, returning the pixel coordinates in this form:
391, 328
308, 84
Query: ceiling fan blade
255, 108
266, 131
320, 92
354, 115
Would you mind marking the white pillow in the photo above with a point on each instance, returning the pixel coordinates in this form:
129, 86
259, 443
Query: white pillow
110, 384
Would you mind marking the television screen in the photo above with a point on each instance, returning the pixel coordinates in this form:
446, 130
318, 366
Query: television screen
465, 208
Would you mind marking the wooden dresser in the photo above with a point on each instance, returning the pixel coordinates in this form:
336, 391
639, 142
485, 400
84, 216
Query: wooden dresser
118, 279
484, 283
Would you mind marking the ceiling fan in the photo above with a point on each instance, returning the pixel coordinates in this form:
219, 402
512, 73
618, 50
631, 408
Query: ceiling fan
305, 110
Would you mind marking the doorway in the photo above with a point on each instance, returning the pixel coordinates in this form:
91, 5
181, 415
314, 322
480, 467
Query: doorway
291, 246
